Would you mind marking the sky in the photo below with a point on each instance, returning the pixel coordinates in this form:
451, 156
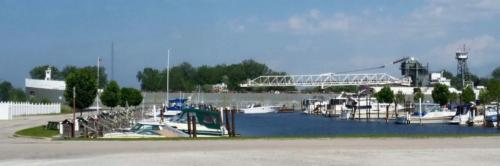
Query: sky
298, 37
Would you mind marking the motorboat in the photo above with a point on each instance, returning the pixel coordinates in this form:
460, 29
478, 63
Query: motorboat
147, 129
427, 113
259, 109
208, 123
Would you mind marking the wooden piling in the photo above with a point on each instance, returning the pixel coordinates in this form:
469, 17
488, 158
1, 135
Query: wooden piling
226, 120
233, 131
387, 114
189, 124
193, 122
378, 110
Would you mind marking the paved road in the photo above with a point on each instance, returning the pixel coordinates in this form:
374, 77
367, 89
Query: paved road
391, 151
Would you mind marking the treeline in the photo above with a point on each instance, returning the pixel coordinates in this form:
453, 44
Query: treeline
455, 80
38, 72
185, 77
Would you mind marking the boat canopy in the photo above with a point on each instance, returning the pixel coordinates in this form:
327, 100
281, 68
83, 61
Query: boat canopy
210, 119
177, 100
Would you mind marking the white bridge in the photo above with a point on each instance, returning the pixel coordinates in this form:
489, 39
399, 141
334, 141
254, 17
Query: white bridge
326, 80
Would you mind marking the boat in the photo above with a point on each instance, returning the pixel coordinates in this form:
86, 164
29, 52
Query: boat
491, 119
428, 113
146, 129
175, 107
259, 109
208, 123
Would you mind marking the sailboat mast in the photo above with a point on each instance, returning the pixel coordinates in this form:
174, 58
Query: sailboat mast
168, 76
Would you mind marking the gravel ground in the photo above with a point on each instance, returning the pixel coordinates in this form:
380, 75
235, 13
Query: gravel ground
338, 151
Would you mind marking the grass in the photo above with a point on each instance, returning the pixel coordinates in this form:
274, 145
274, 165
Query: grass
38, 132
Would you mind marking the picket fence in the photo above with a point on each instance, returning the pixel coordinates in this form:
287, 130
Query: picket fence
10, 109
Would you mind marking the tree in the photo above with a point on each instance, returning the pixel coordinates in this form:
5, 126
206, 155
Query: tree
398, 99
17, 95
67, 70
468, 95
440, 94
84, 82
385, 95
496, 73
484, 96
39, 72
150, 79
111, 95
130, 95
417, 94
185, 77
5, 88
103, 78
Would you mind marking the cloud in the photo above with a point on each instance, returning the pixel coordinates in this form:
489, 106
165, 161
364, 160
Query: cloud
457, 11
482, 50
313, 22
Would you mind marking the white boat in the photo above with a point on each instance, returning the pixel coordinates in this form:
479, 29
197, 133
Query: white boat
208, 123
259, 109
428, 113
147, 129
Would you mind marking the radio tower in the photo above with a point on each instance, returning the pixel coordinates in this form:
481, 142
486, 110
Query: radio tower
462, 55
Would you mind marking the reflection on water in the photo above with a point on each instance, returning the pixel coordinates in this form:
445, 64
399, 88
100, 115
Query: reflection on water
298, 124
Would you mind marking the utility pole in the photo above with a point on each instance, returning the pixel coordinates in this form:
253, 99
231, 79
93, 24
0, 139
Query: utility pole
168, 77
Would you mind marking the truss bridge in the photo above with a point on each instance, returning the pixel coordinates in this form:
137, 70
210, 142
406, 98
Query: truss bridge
326, 80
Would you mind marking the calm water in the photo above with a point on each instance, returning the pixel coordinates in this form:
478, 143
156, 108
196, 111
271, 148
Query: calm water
298, 124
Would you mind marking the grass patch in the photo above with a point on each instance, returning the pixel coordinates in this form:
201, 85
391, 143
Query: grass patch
38, 131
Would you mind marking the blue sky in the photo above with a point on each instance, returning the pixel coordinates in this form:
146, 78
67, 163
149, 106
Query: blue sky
299, 37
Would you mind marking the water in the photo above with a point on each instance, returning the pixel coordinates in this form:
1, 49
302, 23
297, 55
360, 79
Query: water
298, 124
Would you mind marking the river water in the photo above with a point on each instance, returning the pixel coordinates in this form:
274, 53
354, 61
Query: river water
298, 124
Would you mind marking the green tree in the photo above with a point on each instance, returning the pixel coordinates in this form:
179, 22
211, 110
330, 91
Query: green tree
150, 79
398, 99
5, 88
17, 95
103, 77
67, 70
385, 95
84, 82
496, 73
468, 95
111, 95
440, 94
484, 96
130, 95
39, 72
417, 94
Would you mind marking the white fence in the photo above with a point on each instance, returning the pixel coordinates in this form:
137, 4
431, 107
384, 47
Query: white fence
11, 109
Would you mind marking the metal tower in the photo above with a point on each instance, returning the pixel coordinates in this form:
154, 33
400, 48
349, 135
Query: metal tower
462, 55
